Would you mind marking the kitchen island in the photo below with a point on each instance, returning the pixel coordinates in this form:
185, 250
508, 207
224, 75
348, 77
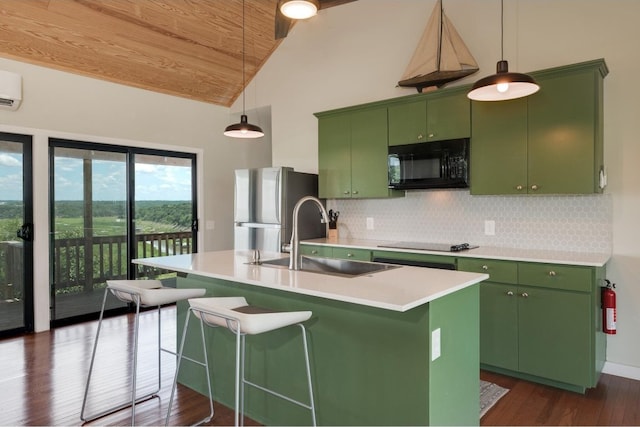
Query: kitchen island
396, 347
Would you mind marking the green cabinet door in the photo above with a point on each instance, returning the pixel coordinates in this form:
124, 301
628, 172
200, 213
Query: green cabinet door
561, 150
499, 325
369, 176
448, 116
498, 155
555, 334
548, 143
408, 122
334, 156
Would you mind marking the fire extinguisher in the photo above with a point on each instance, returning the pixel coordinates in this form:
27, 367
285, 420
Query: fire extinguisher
609, 308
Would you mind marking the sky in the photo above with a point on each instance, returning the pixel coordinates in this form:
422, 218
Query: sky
153, 182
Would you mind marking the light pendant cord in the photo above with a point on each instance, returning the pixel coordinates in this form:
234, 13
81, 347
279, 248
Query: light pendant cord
502, 30
243, 80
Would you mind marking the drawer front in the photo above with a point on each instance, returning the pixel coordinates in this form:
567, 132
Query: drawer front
411, 256
351, 253
316, 250
498, 271
567, 277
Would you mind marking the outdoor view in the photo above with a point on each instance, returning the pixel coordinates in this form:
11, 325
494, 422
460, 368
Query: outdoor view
90, 230
11, 248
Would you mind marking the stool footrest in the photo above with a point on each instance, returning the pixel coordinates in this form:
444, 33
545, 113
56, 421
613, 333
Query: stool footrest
280, 395
115, 409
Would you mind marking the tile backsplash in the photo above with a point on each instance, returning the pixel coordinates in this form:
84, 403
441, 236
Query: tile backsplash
569, 223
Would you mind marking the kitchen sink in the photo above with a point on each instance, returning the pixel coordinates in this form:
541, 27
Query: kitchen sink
332, 266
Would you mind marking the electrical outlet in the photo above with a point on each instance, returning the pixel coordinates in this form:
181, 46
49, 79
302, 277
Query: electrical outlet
489, 227
369, 223
435, 344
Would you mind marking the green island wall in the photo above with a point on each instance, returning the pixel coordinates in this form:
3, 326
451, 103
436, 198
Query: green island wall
370, 366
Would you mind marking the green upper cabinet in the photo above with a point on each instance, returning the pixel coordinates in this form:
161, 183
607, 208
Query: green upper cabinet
352, 154
408, 122
433, 116
548, 143
448, 115
334, 156
499, 147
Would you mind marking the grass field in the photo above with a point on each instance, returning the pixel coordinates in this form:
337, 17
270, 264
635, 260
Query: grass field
105, 226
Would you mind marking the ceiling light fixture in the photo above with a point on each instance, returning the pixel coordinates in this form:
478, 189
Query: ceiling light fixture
503, 85
299, 9
244, 129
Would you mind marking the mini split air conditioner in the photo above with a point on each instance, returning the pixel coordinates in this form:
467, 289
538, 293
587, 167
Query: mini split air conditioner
10, 90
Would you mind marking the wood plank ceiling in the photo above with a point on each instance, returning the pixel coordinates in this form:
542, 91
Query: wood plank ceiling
187, 48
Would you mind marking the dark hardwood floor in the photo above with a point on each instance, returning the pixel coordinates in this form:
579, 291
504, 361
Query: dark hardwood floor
43, 375
42, 378
615, 401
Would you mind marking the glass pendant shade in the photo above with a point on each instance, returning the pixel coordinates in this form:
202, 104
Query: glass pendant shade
299, 9
244, 129
503, 85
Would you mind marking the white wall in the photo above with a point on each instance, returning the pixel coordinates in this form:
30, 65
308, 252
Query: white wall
70, 106
356, 53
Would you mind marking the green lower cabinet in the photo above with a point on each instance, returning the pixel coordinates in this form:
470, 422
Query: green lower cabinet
541, 321
317, 250
555, 339
352, 253
499, 325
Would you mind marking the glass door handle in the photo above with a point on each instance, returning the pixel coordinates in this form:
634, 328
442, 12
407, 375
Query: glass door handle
25, 232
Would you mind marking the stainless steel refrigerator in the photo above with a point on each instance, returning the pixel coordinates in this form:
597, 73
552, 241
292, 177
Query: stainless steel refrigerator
264, 201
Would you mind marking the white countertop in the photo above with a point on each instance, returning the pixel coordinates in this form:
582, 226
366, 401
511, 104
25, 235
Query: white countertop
490, 252
398, 289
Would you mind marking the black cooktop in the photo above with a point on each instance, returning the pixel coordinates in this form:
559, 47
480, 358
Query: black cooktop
423, 246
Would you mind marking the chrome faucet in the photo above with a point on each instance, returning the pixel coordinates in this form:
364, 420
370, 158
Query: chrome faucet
294, 245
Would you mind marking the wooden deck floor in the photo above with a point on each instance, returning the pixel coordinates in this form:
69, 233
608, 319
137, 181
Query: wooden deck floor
42, 379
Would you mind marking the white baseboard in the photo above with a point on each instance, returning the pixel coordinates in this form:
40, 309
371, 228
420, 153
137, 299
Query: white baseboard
619, 370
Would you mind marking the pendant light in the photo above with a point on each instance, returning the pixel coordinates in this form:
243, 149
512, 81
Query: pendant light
299, 9
503, 85
244, 129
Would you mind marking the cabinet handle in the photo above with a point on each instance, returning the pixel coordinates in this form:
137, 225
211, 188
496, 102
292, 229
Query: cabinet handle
525, 295
534, 187
431, 135
313, 252
552, 273
349, 255
347, 192
485, 267
519, 187
510, 293
355, 191
420, 136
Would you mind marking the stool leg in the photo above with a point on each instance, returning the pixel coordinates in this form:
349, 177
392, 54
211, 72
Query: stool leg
178, 361
159, 350
180, 356
93, 356
243, 348
134, 368
239, 349
306, 360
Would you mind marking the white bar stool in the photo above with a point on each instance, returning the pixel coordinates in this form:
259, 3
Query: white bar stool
235, 314
143, 293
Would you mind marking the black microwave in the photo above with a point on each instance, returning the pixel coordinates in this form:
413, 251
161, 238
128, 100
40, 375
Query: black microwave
438, 164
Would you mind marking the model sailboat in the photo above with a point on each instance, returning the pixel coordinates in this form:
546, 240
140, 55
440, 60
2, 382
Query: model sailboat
441, 55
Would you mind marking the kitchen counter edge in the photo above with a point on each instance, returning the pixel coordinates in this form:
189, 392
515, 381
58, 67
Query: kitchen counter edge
489, 252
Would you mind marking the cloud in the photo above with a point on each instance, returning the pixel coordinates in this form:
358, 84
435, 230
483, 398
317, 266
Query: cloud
9, 160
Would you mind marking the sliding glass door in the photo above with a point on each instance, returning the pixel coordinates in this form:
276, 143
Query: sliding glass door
16, 234
109, 205
88, 227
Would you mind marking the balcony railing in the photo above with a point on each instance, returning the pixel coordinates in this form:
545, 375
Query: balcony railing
79, 264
